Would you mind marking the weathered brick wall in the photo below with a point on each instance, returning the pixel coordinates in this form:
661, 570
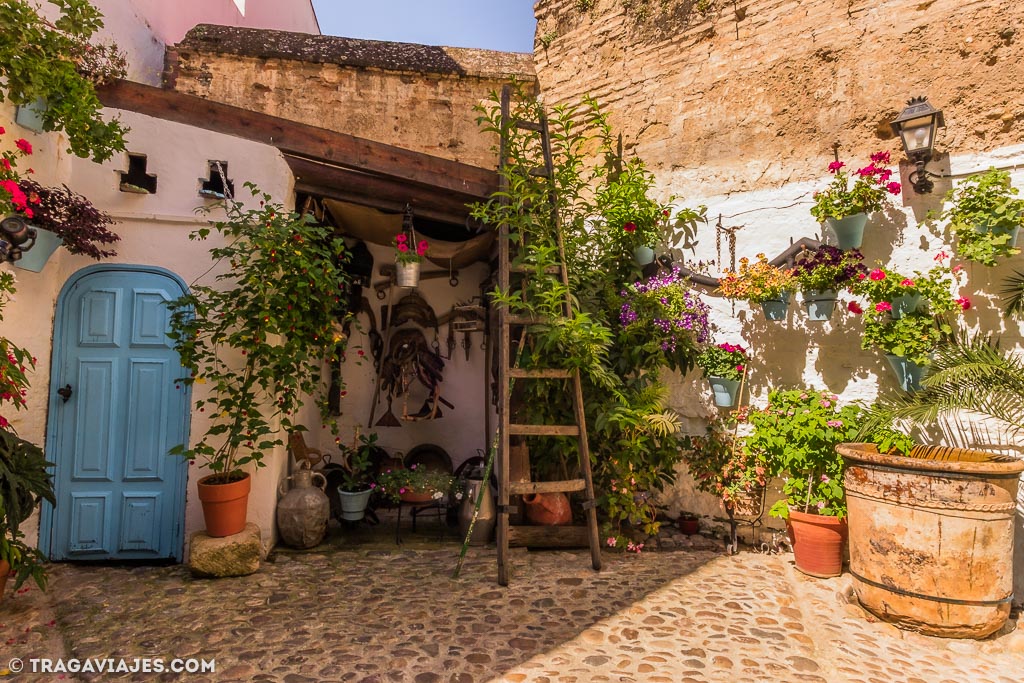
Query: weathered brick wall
413, 96
752, 94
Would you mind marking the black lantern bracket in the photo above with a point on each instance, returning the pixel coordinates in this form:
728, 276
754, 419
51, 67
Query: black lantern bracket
918, 180
917, 127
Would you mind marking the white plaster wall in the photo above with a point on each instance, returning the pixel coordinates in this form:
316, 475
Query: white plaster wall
827, 355
154, 231
460, 432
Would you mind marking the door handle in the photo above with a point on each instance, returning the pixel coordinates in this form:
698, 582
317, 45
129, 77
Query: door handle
65, 393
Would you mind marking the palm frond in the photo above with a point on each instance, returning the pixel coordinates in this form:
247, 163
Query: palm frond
1012, 294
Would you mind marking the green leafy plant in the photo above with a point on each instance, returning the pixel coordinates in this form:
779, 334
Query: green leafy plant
15, 360
633, 436
56, 62
757, 282
395, 481
24, 483
827, 267
356, 464
80, 225
722, 465
728, 361
797, 434
985, 215
865, 195
914, 336
260, 338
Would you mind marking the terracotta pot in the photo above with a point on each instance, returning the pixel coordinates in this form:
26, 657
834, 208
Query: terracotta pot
416, 496
817, 543
5, 569
224, 505
689, 526
547, 509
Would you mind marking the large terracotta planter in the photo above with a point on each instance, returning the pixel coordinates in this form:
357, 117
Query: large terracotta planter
224, 505
548, 509
931, 537
818, 543
5, 569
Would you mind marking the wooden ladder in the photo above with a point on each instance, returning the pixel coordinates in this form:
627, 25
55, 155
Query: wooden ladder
508, 535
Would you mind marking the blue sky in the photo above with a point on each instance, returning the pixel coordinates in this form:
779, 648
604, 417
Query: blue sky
506, 25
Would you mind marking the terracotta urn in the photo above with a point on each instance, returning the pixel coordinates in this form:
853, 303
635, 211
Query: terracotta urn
547, 509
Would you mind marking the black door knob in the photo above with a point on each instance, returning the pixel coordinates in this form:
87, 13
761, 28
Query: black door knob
65, 393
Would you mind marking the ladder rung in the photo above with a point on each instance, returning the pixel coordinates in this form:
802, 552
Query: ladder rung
548, 536
543, 430
518, 488
539, 172
529, 125
550, 270
545, 373
528, 319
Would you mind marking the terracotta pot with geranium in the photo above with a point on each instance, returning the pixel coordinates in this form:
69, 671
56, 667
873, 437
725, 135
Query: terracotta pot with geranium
844, 205
819, 273
724, 366
760, 283
908, 317
721, 465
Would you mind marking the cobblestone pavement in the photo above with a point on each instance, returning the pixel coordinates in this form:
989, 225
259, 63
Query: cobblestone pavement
372, 612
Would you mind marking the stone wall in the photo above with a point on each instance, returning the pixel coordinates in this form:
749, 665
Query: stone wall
752, 94
413, 96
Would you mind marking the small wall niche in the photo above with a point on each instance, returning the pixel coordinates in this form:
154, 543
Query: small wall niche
136, 180
213, 186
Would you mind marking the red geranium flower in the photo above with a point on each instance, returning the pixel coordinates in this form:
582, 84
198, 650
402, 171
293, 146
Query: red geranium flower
854, 307
24, 145
877, 274
964, 302
835, 166
629, 227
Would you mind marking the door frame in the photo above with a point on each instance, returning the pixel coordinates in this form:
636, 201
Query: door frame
177, 511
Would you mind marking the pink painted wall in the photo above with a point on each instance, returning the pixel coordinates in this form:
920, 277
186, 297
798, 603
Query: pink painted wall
170, 21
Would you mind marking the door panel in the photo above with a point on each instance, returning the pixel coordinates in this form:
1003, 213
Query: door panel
119, 494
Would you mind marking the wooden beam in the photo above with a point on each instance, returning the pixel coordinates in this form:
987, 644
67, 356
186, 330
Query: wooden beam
548, 536
311, 173
299, 138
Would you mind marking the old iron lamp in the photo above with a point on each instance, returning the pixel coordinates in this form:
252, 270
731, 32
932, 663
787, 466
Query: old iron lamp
916, 125
16, 237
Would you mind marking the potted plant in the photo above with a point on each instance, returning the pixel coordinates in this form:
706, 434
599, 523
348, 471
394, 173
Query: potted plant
986, 216
414, 484
408, 256
638, 222
760, 283
819, 273
356, 483
723, 466
844, 207
724, 366
258, 340
689, 523
907, 318
71, 219
797, 434
664, 316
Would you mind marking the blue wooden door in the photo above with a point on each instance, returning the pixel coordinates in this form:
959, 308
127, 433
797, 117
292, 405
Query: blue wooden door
119, 494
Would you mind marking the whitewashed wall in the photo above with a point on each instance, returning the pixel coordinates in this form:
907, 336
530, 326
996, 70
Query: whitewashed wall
799, 353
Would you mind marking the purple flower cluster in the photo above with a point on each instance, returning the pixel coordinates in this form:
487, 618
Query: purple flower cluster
667, 307
840, 266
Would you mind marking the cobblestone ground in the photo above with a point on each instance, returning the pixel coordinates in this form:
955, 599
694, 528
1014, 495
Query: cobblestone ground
372, 612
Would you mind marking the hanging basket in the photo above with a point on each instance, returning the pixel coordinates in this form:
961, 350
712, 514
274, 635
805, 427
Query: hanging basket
908, 373
776, 309
35, 258
903, 305
725, 391
643, 256
820, 304
407, 274
849, 231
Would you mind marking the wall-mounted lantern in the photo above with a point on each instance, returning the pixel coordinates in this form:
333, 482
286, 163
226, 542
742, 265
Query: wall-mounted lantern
917, 125
16, 237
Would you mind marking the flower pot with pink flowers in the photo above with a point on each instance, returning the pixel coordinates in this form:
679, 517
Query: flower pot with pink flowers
724, 367
907, 317
409, 255
820, 273
845, 204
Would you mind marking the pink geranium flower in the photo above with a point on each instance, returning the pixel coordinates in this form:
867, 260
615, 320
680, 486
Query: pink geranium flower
883, 306
893, 188
24, 145
835, 166
402, 247
964, 303
877, 274
907, 282
629, 227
